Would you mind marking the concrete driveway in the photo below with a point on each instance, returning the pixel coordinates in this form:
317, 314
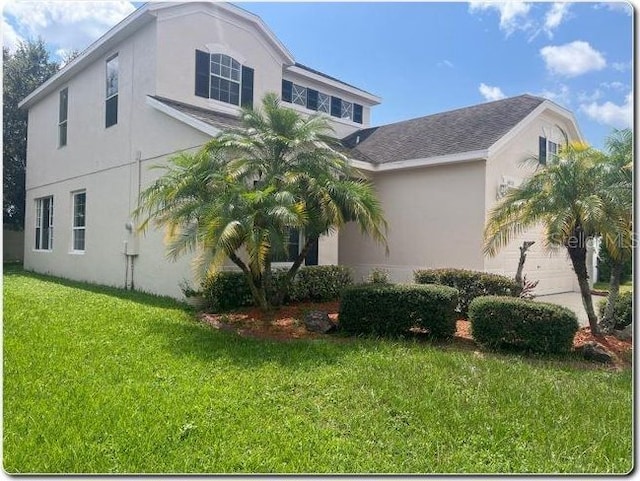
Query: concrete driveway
573, 301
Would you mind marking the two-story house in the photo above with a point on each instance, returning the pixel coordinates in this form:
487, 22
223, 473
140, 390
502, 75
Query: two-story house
170, 76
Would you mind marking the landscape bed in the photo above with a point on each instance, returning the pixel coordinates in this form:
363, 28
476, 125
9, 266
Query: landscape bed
99, 380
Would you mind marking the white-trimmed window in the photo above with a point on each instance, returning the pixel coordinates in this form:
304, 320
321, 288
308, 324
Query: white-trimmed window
44, 224
62, 117
324, 103
552, 150
111, 102
299, 95
347, 110
225, 79
79, 221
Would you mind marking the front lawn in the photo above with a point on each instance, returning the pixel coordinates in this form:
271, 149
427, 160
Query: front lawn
99, 380
604, 287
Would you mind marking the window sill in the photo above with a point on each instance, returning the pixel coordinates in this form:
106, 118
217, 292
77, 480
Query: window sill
42, 250
76, 253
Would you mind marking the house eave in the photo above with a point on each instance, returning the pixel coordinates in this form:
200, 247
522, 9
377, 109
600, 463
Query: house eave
370, 99
182, 117
457, 158
100, 47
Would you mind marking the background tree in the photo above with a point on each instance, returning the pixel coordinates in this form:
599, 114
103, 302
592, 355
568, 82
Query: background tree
617, 173
24, 71
240, 196
566, 197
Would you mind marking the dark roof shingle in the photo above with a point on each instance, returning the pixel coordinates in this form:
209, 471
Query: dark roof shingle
461, 130
215, 119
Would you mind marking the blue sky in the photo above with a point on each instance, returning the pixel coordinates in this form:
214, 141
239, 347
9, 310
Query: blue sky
421, 58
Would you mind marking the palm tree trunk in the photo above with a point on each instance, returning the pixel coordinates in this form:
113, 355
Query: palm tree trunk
608, 320
258, 292
578, 255
291, 273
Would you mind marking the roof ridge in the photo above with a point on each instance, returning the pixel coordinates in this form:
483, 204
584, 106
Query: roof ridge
465, 108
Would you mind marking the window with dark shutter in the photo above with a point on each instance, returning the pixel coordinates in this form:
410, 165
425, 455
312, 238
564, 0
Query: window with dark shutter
542, 154
336, 106
246, 99
202, 73
287, 88
312, 99
357, 113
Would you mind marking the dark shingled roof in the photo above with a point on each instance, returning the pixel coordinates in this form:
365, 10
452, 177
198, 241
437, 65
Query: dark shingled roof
215, 119
462, 130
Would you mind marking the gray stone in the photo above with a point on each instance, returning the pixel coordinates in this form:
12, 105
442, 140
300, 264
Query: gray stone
318, 321
625, 334
592, 351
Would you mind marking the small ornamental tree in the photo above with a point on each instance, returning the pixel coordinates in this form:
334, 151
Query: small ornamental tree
242, 194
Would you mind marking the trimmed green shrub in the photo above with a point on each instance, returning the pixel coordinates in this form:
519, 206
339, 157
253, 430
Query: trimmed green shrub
321, 283
498, 322
391, 310
470, 284
622, 310
228, 290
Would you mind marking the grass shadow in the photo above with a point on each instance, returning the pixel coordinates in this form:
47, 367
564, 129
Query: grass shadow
206, 343
141, 297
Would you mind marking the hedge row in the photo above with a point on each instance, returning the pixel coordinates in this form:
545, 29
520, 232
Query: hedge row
391, 310
229, 290
470, 284
499, 322
622, 310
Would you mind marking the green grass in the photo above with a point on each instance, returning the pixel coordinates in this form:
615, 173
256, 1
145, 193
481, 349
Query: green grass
604, 286
99, 380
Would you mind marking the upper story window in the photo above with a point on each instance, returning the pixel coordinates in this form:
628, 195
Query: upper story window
111, 102
547, 150
221, 77
44, 224
62, 117
321, 102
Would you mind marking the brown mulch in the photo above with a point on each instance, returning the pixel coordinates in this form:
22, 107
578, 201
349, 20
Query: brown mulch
285, 324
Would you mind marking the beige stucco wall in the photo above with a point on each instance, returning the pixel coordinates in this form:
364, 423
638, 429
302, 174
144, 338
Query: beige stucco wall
104, 162
435, 218
551, 267
184, 29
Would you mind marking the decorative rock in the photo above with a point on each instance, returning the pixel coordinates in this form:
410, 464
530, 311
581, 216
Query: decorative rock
624, 335
592, 351
318, 321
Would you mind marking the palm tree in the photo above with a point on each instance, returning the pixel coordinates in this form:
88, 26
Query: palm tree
617, 235
565, 197
246, 189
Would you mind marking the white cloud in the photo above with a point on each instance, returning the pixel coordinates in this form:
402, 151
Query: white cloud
561, 96
554, 17
513, 14
10, 37
623, 7
572, 59
621, 66
66, 25
613, 85
445, 63
491, 93
610, 114
584, 96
